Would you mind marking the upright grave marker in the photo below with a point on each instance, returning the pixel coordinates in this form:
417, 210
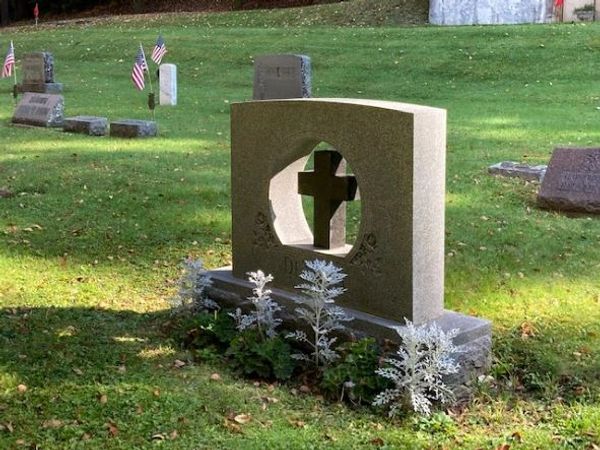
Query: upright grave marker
168, 84
396, 267
572, 181
42, 110
38, 74
282, 76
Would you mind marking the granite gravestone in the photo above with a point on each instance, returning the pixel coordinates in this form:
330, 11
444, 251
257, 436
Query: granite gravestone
91, 125
42, 110
572, 181
396, 267
282, 76
38, 74
513, 169
168, 84
133, 128
487, 12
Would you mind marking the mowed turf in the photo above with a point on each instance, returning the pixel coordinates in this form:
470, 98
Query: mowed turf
91, 242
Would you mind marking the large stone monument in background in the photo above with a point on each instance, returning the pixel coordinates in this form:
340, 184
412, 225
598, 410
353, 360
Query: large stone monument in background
38, 74
489, 12
396, 266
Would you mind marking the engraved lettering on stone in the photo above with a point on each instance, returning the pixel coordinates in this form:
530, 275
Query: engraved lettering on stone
366, 258
579, 182
292, 266
591, 163
263, 234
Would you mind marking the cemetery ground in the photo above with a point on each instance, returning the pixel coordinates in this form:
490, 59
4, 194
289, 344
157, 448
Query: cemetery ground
91, 240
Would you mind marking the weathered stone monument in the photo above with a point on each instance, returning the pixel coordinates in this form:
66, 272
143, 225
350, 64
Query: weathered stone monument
168, 84
90, 125
38, 74
488, 12
282, 76
133, 128
513, 169
42, 110
572, 181
396, 267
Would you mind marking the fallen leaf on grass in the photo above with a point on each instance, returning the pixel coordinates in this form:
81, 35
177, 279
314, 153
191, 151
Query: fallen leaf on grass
178, 364
232, 426
527, 330
378, 442
503, 447
113, 431
22, 388
103, 399
6, 426
215, 377
297, 423
242, 418
52, 423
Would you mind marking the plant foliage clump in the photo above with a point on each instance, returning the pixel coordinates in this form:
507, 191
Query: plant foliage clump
424, 357
192, 297
319, 311
263, 317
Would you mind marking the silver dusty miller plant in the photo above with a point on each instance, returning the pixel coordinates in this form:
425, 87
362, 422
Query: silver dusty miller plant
192, 297
424, 357
319, 311
263, 317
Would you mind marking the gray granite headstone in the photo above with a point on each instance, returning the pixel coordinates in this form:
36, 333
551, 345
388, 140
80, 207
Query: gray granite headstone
92, 125
396, 266
513, 169
168, 84
132, 128
572, 181
43, 110
38, 74
282, 76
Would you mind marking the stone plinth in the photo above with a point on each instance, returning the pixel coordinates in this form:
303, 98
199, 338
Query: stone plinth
91, 125
572, 181
130, 128
282, 76
42, 110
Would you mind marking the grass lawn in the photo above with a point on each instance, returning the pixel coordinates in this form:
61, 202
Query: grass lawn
91, 242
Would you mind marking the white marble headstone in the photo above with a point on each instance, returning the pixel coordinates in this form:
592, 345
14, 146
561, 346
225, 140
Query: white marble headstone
168, 84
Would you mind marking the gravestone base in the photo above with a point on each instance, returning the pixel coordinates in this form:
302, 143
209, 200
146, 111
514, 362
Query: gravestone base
474, 338
44, 88
40, 110
91, 125
131, 128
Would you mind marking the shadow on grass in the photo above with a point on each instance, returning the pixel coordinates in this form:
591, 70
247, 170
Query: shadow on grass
57, 346
128, 205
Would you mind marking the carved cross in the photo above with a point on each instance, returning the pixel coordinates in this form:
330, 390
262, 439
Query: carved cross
330, 187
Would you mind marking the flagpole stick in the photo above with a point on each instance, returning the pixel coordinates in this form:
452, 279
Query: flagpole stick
15, 88
150, 102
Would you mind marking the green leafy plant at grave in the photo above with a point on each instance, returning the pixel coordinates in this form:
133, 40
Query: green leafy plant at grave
206, 331
353, 378
320, 312
254, 356
423, 358
192, 296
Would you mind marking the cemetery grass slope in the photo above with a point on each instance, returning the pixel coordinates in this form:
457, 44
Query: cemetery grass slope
90, 242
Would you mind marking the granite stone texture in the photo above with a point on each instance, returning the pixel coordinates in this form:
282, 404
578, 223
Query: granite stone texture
488, 12
130, 128
282, 76
397, 153
572, 181
516, 170
91, 125
168, 84
42, 110
38, 74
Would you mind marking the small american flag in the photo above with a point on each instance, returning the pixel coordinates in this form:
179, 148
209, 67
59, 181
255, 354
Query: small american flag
159, 50
139, 67
9, 61
36, 11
